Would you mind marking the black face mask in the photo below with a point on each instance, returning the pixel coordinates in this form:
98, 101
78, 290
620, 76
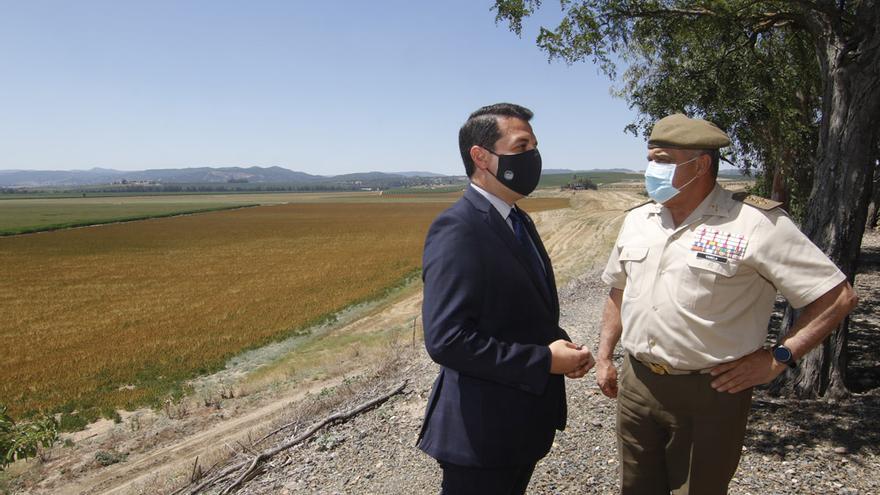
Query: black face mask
520, 172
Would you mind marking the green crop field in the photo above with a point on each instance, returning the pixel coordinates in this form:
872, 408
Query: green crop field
599, 178
34, 216
22, 215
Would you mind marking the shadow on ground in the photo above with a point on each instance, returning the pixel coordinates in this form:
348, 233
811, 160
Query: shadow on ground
785, 425
863, 373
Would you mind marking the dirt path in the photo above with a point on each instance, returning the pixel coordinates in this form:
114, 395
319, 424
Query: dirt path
159, 450
136, 474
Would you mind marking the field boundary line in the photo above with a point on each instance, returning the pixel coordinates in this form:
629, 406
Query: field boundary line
98, 223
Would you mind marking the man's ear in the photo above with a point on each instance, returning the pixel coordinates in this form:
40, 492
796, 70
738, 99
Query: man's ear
704, 162
480, 156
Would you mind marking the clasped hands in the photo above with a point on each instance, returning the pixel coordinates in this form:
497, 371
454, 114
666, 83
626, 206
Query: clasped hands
569, 359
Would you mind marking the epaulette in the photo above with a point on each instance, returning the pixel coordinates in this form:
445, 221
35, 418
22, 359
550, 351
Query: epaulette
639, 205
756, 201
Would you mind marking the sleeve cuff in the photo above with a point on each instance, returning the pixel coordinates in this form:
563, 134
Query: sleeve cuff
613, 282
539, 381
817, 291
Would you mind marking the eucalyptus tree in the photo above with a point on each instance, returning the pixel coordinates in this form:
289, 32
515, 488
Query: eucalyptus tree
796, 82
766, 96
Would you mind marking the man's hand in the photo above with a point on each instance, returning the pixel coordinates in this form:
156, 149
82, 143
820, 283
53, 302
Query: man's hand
609, 335
606, 377
568, 358
752, 369
816, 321
580, 372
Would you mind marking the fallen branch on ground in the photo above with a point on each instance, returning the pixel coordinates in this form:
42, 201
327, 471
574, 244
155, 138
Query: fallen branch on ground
333, 418
276, 430
255, 464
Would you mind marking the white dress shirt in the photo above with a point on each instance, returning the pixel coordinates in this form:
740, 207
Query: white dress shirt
500, 205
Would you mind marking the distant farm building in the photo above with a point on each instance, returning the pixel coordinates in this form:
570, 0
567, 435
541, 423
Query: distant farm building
579, 184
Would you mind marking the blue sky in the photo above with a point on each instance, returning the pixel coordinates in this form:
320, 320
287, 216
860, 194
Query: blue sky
321, 87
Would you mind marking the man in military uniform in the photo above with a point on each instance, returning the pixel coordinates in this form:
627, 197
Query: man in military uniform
694, 274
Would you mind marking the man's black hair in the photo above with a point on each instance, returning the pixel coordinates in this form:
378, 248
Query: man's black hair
481, 129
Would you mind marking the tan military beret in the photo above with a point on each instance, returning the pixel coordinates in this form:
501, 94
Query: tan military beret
678, 131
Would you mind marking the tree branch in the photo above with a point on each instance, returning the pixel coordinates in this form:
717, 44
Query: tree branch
759, 23
267, 454
673, 12
774, 20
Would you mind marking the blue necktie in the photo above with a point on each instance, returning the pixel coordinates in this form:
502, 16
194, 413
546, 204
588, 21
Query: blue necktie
522, 235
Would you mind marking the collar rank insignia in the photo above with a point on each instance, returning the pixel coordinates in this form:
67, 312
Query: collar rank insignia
756, 201
643, 203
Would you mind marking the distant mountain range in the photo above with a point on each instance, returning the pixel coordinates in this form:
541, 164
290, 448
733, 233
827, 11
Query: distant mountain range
200, 175
215, 175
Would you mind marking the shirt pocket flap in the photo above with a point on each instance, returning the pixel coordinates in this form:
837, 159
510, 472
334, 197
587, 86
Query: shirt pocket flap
725, 269
633, 253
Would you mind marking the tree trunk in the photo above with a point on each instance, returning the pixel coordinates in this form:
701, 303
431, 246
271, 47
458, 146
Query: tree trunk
872, 214
844, 168
779, 191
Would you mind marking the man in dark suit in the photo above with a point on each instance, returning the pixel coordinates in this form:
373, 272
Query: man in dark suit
491, 318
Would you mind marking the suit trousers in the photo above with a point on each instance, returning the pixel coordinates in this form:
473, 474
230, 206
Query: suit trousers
676, 434
463, 480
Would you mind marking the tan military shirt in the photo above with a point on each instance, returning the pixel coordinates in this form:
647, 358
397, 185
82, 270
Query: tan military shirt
702, 293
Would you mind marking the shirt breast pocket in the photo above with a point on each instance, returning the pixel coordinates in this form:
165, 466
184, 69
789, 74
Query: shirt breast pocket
633, 260
702, 279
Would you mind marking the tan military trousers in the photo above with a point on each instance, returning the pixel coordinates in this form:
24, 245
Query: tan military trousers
676, 434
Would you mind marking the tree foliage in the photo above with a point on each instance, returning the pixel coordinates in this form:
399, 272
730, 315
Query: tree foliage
20, 440
757, 79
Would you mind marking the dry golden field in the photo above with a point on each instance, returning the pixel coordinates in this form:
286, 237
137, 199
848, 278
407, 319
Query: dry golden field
119, 315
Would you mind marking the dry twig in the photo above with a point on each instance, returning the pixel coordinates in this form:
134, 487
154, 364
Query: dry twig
255, 464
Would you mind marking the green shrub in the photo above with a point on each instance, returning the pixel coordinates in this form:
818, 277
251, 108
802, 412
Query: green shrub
73, 422
108, 457
20, 440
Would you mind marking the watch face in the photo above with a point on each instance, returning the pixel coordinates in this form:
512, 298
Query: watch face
781, 354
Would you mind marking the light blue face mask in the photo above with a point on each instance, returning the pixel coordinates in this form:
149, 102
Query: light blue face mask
658, 180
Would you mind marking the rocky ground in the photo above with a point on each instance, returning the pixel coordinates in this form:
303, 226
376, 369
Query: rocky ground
792, 447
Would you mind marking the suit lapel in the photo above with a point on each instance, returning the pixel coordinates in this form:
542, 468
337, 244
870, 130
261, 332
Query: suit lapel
502, 230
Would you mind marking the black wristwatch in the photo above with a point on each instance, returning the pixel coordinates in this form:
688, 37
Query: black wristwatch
783, 355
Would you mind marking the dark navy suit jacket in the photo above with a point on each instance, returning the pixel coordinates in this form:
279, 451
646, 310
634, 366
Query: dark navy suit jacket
488, 319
